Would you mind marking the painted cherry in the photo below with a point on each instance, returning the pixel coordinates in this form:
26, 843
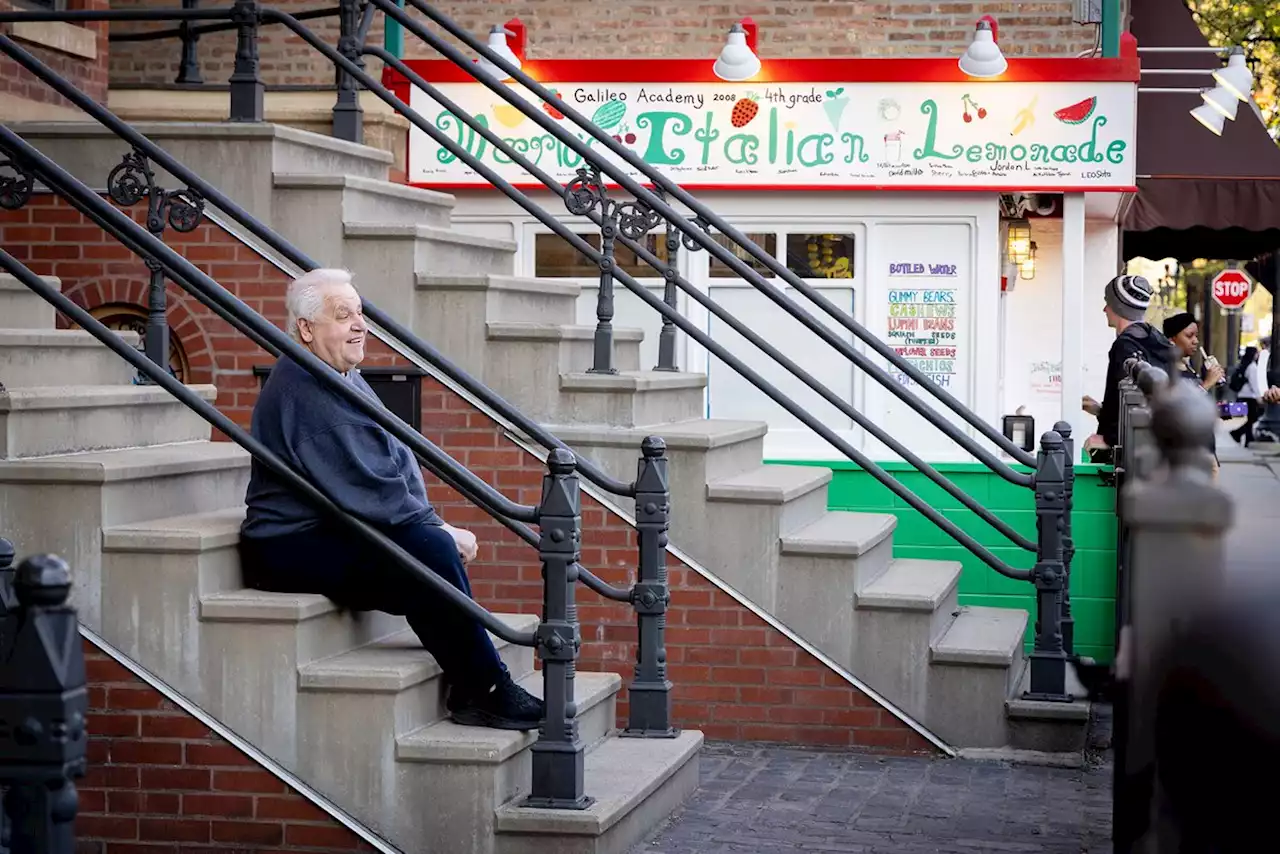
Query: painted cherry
982, 112
631, 138
968, 118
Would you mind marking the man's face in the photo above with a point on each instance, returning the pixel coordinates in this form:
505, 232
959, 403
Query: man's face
337, 334
1188, 340
1112, 317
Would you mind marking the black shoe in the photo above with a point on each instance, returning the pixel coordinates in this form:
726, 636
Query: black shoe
504, 706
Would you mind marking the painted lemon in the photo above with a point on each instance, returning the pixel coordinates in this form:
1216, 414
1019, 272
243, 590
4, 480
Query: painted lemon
508, 116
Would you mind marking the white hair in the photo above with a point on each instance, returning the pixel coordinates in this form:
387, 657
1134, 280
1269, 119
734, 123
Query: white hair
305, 297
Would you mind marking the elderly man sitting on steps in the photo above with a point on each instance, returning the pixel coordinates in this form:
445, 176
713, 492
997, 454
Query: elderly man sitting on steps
288, 546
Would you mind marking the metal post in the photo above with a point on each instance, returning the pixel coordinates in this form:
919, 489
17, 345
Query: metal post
650, 690
602, 363
1111, 28
1048, 659
130, 182
189, 65
348, 115
1178, 520
43, 702
558, 775
246, 83
667, 337
8, 596
1269, 424
1063, 429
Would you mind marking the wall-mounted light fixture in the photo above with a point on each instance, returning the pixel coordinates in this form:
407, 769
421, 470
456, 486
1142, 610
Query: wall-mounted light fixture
498, 44
738, 60
1018, 241
1027, 268
1235, 84
983, 57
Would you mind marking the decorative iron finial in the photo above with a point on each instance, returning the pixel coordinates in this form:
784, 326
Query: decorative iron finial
561, 461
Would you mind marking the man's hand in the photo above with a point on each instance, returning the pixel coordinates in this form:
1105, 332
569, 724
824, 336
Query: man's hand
1212, 376
1091, 406
465, 541
1272, 395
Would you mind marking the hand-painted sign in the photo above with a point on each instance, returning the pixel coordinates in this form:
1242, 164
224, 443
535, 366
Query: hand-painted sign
1040, 136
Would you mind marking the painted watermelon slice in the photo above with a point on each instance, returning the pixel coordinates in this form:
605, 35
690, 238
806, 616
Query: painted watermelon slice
1077, 113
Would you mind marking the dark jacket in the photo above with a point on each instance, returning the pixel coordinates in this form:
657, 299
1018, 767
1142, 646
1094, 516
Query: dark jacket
342, 451
1143, 341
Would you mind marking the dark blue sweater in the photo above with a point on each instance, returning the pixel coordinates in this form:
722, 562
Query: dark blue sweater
342, 451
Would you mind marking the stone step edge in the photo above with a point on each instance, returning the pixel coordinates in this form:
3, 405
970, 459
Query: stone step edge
887, 593
315, 180
412, 231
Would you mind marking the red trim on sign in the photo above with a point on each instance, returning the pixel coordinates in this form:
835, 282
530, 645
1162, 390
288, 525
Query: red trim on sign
452, 187
1122, 69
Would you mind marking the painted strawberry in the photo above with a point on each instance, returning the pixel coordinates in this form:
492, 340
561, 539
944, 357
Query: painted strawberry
744, 110
552, 111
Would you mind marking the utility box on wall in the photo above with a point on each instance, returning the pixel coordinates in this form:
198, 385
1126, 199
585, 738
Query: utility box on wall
399, 389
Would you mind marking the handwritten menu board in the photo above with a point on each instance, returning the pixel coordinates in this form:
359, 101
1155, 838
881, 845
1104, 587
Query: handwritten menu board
922, 328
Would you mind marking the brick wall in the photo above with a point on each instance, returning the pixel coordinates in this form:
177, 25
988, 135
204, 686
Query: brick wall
587, 29
159, 780
89, 76
736, 677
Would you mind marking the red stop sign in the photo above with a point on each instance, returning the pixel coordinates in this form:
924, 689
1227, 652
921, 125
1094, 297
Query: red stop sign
1231, 288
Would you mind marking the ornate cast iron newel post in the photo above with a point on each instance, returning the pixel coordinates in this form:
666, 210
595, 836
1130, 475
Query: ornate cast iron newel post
667, 337
189, 66
650, 690
43, 702
130, 182
559, 753
348, 115
1048, 659
246, 82
1063, 429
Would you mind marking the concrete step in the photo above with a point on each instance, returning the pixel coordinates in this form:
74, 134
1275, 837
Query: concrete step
510, 340
311, 208
62, 504
154, 573
467, 772
761, 506
1048, 726
974, 667
21, 308
52, 357
504, 298
41, 421
628, 398
637, 784
897, 617
252, 644
239, 158
822, 567
354, 707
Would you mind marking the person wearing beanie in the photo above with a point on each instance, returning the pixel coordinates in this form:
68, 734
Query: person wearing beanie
1125, 303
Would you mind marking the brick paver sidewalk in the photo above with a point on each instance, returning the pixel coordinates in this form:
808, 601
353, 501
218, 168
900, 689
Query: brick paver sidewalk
769, 800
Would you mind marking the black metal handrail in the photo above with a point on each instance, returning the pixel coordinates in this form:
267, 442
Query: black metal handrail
656, 201
558, 752
260, 452
950, 528
478, 496
206, 29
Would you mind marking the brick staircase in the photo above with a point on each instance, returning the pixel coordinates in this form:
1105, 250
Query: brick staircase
147, 510
830, 576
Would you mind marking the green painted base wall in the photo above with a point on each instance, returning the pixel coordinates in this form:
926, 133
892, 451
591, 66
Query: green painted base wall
1093, 576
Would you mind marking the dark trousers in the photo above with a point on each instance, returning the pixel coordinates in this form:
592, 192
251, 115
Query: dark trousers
342, 565
1246, 430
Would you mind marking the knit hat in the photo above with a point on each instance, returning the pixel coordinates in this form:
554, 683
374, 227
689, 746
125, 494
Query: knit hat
1174, 326
1129, 296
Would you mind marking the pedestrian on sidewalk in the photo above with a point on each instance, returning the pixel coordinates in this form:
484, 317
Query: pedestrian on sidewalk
1248, 388
1183, 331
1126, 299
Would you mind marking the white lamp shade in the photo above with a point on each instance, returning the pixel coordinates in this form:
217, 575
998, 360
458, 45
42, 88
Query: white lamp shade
1210, 118
737, 61
1236, 77
498, 44
1221, 100
983, 58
